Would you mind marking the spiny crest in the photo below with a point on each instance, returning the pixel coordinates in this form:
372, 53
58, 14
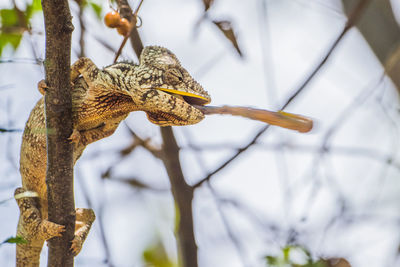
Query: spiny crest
158, 56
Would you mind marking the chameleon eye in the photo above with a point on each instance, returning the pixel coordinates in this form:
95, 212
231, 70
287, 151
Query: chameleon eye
173, 76
179, 75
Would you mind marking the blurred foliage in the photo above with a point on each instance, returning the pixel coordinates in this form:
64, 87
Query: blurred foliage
14, 240
14, 21
224, 26
207, 4
156, 255
95, 6
297, 256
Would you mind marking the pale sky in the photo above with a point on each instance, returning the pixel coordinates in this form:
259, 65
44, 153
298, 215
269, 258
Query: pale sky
295, 187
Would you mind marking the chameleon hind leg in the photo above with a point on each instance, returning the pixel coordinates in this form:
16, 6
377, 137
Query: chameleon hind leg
84, 221
32, 228
32, 223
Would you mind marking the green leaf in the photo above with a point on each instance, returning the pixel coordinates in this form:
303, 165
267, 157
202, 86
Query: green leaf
286, 252
319, 263
8, 17
156, 255
37, 5
96, 8
32, 8
15, 240
272, 260
12, 39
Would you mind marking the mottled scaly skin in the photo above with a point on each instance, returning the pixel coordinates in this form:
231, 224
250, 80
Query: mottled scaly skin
101, 99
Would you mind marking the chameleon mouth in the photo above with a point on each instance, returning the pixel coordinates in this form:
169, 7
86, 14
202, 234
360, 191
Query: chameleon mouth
189, 98
165, 119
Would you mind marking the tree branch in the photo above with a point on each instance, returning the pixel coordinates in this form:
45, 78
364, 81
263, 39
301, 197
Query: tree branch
182, 192
58, 106
183, 195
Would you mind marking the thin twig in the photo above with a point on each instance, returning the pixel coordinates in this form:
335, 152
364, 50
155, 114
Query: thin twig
82, 29
133, 34
353, 18
99, 218
350, 23
3, 130
22, 60
137, 183
235, 240
120, 48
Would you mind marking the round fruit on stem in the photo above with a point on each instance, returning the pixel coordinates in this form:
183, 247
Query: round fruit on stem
123, 27
112, 19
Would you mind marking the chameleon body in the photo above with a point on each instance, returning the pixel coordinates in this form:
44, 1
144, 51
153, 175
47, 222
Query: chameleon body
101, 99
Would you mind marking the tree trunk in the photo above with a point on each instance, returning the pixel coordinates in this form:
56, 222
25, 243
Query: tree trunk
58, 105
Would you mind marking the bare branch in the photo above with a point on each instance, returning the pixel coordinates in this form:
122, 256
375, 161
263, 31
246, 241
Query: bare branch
136, 183
350, 23
182, 192
353, 18
183, 195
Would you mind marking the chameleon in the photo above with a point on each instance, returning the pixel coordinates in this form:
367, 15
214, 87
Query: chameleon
101, 99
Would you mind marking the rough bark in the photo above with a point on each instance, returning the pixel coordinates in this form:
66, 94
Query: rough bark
59, 176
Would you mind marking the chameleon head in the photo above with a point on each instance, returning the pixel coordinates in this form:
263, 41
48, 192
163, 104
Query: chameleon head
168, 92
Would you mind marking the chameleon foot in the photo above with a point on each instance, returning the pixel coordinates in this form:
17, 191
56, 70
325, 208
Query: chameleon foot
76, 245
31, 225
84, 220
42, 87
52, 229
75, 137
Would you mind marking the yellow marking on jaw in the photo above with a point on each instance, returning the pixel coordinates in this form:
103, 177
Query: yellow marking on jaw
177, 92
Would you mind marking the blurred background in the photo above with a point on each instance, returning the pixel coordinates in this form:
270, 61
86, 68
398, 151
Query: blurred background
264, 196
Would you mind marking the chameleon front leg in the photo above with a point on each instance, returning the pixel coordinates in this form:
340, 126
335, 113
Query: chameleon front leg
84, 221
82, 65
89, 71
88, 136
